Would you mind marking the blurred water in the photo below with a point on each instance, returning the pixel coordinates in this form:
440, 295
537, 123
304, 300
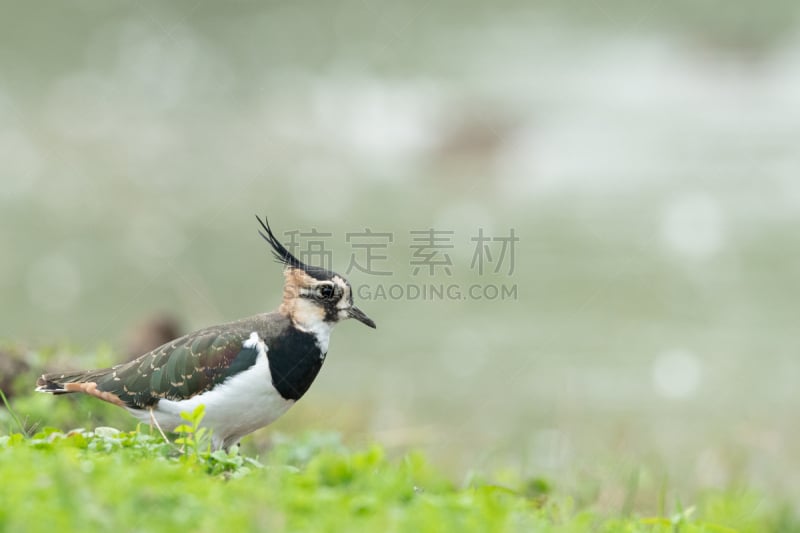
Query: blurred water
650, 173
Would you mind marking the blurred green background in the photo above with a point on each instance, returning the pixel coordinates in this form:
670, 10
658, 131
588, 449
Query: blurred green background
645, 154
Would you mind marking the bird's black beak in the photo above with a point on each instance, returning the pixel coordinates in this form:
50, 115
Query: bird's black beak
359, 315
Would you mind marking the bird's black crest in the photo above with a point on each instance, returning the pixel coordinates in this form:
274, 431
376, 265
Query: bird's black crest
285, 257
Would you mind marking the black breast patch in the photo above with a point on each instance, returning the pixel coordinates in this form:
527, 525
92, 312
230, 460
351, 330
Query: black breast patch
294, 362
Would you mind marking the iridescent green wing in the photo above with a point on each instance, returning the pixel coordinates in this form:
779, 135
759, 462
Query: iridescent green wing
184, 367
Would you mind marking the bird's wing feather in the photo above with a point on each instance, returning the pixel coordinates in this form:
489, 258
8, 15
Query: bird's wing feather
177, 370
182, 368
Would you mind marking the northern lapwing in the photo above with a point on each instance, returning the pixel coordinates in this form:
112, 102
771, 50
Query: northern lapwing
246, 373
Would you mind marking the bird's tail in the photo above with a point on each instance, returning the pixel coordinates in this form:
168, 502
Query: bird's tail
68, 381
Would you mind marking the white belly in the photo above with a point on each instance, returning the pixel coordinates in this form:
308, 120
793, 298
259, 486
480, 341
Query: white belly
233, 409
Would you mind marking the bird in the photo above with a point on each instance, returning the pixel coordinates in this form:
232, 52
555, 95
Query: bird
245, 374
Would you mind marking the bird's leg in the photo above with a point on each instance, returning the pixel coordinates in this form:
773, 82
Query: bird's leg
154, 422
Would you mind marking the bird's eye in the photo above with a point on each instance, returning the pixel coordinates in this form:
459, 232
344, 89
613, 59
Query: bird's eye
325, 291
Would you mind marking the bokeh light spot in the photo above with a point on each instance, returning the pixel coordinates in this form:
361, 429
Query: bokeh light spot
676, 374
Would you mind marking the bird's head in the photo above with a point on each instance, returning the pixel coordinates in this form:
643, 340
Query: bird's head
312, 295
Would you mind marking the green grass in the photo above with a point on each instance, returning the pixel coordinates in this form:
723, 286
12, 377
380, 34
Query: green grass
105, 480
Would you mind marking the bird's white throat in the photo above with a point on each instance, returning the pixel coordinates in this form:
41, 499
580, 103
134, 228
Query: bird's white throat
311, 318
